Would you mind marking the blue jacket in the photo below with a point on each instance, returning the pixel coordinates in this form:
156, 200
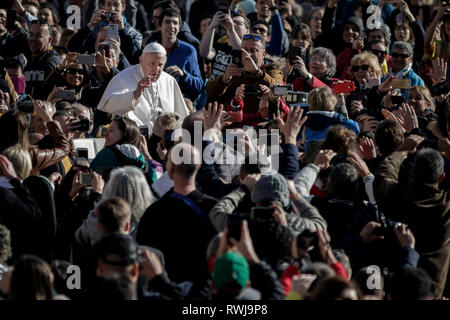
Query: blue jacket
319, 122
184, 56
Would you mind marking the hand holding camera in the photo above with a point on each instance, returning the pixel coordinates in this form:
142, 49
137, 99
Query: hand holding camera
231, 71
96, 18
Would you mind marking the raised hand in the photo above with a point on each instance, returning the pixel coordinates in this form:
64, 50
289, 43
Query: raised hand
323, 158
359, 164
293, 123
367, 148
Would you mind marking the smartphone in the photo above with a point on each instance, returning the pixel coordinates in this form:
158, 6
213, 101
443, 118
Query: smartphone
86, 178
236, 57
280, 90
261, 213
294, 52
113, 31
253, 90
144, 130
268, 139
168, 143
273, 109
66, 95
82, 125
11, 17
104, 47
344, 87
234, 226
397, 100
236, 116
401, 83
223, 5
25, 106
86, 59
82, 153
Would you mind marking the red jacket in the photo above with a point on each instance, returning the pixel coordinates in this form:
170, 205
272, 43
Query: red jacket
343, 61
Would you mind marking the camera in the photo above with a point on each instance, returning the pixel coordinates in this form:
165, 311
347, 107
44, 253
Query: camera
236, 57
281, 90
297, 98
144, 130
253, 90
107, 16
82, 153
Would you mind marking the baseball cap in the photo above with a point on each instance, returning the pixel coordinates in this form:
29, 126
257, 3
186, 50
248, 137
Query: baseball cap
230, 271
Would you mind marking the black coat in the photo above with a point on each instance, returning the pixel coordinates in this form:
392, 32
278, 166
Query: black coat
20, 213
182, 234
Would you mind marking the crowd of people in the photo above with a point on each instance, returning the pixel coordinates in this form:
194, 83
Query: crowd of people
344, 104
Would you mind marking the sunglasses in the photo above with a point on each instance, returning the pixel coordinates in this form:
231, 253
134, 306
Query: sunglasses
253, 36
377, 52
399, 55
364, 67
43, 22
74, 71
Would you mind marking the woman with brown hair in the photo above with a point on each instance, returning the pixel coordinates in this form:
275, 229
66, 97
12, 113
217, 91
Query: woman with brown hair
122, 147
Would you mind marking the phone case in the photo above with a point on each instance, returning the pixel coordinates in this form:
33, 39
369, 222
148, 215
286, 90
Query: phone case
401, 83
344, 87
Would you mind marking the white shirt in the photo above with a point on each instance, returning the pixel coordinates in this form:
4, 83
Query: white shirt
162, 96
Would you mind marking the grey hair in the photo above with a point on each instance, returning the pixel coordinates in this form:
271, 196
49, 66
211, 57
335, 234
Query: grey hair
387, 34
130, 184
404, 46
330, 60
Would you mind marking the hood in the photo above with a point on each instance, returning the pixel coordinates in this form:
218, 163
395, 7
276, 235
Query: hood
319, 120
356, 21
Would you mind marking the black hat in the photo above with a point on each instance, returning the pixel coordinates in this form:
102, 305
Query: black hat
118, 250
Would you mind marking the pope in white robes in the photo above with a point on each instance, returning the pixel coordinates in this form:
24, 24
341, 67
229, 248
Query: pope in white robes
144, 91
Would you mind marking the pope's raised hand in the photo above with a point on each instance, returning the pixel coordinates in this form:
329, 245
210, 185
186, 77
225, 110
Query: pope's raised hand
142, 85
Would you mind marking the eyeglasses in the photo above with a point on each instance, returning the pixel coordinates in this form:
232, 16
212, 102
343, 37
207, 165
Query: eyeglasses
315, 59
378, 52
74, 71
364, 67
400, 55
253, 37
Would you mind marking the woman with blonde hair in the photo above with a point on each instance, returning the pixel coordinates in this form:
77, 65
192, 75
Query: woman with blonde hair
366, 74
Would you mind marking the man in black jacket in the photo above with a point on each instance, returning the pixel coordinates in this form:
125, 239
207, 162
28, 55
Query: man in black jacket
43, 58
178, 223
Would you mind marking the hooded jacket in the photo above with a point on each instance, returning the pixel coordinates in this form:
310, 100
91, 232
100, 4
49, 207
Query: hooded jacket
319, 122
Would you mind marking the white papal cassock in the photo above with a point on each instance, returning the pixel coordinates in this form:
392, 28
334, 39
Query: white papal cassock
162, 96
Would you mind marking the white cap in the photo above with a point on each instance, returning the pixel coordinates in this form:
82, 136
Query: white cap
154, 47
